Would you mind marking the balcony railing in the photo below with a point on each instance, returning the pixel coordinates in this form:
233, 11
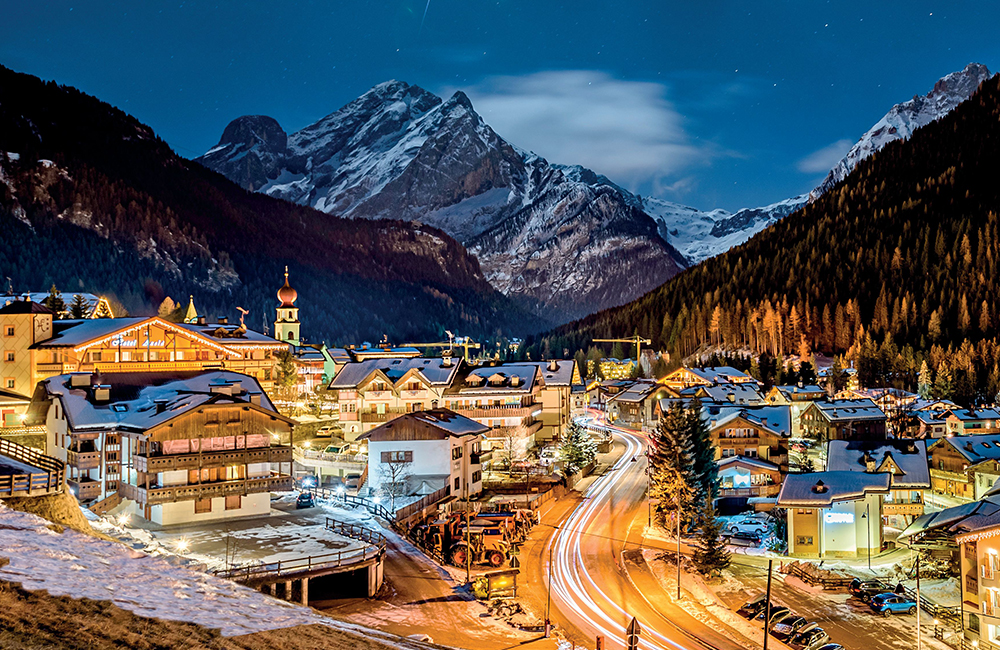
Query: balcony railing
313, 458
374, 416
738, 436
752, 491
158, 495
85, 489
49, 368
83, 459
500, 411
516, 432
164, 463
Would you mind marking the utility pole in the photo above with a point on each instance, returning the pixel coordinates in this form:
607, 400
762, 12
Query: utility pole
918, 600
548, 603
677, 514
767, 603
468, 541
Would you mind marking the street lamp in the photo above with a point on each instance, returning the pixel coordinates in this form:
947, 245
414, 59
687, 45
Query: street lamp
868, 529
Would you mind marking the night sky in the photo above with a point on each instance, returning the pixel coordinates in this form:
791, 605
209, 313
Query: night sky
712, 104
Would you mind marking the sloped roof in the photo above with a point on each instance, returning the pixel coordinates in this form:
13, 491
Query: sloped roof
909, 456
751, 462
435, 424
231, 334
7, 395
433, 371
791, 392
822, 489
24, 307
71, 333
637, 392
974, 449
975, 414
478, 379
741, 394
779, 417
957, 519
719, 374
561, 376
845, 410
752, 418
143, 400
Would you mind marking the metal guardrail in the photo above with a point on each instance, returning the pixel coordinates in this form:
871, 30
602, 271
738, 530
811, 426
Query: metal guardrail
376, 509
48, 480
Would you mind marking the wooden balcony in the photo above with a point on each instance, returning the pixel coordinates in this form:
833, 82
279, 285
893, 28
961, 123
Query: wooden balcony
159, 495
500, 411
49, 369
348, 462
752, 491
903, 507
165, 463
84, 489
83, 459
390, 414
517, 432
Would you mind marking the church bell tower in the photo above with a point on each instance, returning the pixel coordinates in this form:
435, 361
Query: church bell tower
286, 326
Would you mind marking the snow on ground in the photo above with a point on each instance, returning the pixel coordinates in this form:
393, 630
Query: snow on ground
216, 545
76, 565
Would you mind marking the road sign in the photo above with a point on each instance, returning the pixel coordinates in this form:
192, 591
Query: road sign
600, 643
514, 562
632, 635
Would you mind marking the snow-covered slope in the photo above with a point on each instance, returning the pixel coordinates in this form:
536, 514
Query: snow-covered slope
76, 565
903, 119
564, 245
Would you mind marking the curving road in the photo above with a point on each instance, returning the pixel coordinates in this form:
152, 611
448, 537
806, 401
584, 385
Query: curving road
599, 580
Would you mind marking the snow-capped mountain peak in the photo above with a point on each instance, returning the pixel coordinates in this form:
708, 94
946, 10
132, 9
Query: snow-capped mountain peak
905, 118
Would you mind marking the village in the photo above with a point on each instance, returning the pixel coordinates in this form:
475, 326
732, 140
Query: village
302, 470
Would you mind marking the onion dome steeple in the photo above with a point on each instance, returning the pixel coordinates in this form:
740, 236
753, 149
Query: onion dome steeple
286, 294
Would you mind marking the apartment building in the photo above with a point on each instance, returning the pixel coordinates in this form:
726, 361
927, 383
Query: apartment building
175, 447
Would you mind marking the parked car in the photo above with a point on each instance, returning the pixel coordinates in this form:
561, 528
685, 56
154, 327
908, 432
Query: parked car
747, 524
788, 626
753, 537
324, 432
868, 589
338, 448
548, 455
810, 639
752, 607
777, 613
352, 481
305, 500
798, 446
889, 604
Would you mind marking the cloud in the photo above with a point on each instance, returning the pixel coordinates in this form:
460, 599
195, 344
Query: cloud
822, 160
627, 130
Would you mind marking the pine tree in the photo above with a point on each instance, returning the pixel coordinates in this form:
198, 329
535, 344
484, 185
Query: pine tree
617, 351
79, 308
943, 382
710, 554
704, 476
670, 463
54, 302
578, 450
924, 381
167, 308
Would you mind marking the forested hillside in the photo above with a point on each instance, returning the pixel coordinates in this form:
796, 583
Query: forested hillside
895, 265
91, 199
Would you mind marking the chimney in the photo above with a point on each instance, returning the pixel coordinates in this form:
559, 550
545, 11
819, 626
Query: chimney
201, 320
553, 365
820, 487
102, 393
161, 405
446, 361
731, 397
869, 461
255, 399
80, 380
224, 320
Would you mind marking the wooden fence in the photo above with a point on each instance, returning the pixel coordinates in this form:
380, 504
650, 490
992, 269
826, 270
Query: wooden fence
47, 480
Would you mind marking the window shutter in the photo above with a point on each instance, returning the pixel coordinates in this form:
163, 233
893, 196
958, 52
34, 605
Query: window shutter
408, 456
385, 457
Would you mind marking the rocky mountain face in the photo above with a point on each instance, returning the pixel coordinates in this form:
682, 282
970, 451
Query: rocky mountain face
91, 199
563, 244
903, 119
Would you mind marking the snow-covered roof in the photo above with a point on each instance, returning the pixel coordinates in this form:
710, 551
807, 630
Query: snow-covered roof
778, 417
637, 392
974, 449
842, 410
93, 302
957, 519
975, 415
561, 375
339, 355
800, 392
904, 460
71, 333
231, 334
742, 414
434, 371
512, 378
142, 400
822, 489
434, 424
720, 374
366, 351
742, 394
931, 417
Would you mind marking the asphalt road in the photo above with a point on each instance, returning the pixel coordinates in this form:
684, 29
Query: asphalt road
599, 582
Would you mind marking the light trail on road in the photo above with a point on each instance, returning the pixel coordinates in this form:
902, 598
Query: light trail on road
580, 555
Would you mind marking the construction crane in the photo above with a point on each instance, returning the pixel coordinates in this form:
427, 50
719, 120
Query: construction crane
637, 340
464, 341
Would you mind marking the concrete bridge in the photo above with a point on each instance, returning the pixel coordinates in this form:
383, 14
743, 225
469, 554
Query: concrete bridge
290, 579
